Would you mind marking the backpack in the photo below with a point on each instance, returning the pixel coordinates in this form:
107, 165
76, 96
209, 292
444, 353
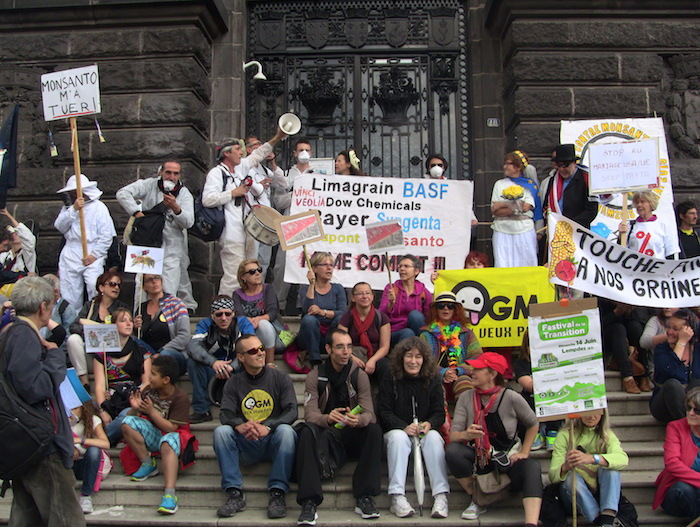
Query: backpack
147, 231
208, 222
25, 431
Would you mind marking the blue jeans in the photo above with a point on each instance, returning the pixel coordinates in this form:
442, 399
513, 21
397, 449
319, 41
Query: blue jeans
179, 357
200, 375
682, 500
609, 485
86, 469
415, 321
233, 448
114, 429
309, 337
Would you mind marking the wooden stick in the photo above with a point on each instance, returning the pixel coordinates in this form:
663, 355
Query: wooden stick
625, 219
306, 257
104, 353
695, 522
137, 298
573, 476
78, 182
388, 267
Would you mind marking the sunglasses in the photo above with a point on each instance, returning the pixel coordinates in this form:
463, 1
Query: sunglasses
220, 314
255, 351
114, 284
563, 164
251, 272
693, 410
445, 305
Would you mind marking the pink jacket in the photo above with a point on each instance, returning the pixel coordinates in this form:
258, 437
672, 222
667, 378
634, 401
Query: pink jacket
679, 455
419, 300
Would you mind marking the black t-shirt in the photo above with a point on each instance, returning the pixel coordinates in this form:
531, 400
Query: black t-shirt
154, 331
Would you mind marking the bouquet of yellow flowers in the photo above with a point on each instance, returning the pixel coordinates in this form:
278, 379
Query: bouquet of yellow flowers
513, 192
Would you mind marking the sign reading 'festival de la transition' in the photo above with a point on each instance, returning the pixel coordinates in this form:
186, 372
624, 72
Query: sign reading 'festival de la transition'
434, 216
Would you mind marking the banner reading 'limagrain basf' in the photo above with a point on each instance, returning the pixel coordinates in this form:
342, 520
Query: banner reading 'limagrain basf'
434, 216
583, 260
497, 300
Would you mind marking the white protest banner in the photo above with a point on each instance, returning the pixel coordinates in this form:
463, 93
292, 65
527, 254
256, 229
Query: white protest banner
584, 134
147, 260
71, 93
101, 337
583, 260
618, 167
298, 229
434, 215
568, 374
384, 236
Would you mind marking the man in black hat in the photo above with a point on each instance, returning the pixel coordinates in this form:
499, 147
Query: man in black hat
566, 192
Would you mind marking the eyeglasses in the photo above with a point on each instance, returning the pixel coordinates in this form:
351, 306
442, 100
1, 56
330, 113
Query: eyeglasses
253, 145
436, 165
445, 305
220, 314
114, 284
341, 347
251, 272
693, 410
563, 164
151, 279
255, 351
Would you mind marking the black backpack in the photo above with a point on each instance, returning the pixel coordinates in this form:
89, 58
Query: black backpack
208, 222
25, 431
147, 231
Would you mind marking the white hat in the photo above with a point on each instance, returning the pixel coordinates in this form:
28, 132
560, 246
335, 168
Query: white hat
86, 183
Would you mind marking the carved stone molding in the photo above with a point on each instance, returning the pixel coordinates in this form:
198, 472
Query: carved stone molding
683, 103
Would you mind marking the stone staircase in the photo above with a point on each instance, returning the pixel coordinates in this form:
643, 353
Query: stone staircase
122, 502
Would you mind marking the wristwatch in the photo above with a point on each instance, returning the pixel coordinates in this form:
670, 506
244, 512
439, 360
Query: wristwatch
596, 459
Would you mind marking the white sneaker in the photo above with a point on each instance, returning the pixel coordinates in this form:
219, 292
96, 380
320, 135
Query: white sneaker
400, 506
86, 504
473, 512
440, 508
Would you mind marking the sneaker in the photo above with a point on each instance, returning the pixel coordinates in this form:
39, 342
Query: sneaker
473, 512
168, 505
440, 508
308, 514
366, 508
145, 471
277, 507
539, 442
197, 418
400, 506
235, 502
86, 504
551, 436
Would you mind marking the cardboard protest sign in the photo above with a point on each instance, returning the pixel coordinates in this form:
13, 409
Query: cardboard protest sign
585, 134
618, 167
101, 337
434, 216
384, 236
567, 360
71, 93
147, 260
299, 229
583, 260
497, 300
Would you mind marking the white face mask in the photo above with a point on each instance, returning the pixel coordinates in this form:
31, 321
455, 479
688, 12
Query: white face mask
168, 185
303, 157
436, 172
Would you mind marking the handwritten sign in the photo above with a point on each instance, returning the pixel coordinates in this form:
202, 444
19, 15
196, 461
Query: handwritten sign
299, 229
619, 167
147, 260
101, 337
71, 93
384, 236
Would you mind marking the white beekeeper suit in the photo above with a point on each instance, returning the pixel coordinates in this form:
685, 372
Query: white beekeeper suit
99, 232
143, 195
236, 243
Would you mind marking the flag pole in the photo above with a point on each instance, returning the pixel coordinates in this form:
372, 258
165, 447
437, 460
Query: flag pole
78, 182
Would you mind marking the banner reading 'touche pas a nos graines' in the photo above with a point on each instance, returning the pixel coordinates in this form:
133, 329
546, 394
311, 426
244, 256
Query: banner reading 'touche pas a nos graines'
434, 215
583, 260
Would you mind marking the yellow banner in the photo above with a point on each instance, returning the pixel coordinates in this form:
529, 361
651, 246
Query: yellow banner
497, 299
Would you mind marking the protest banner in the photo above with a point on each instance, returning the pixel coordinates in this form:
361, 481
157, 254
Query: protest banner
624, 167
434, 215
584, 134
147, 260
568, 373
71, 93
581, 259
298, 229
497, 300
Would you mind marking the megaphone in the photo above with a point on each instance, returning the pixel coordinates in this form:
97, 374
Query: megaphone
289, 123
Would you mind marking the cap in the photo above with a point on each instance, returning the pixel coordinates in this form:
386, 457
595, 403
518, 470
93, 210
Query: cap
492, 360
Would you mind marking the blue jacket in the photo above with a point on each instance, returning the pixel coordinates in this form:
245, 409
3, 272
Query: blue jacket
667, 366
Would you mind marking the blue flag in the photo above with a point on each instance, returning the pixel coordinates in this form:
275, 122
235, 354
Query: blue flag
8, 154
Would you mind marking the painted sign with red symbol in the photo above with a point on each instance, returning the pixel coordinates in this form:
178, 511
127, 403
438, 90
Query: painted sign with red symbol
299, 229
384, 236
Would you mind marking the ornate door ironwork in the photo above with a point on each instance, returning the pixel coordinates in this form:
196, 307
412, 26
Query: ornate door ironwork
388, 78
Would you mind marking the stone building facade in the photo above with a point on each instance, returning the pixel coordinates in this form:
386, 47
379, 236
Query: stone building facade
486, 76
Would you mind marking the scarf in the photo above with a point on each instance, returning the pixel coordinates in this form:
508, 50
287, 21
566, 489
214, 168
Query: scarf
530, 185
555, 193
449, 342
483, 443
362, 327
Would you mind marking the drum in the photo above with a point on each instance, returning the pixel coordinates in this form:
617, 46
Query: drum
260, 224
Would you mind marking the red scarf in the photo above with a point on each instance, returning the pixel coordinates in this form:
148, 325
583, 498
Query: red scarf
362, 327
555, 191
483, 443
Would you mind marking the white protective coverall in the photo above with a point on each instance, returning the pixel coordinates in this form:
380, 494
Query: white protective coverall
143, 195
25, 259
99, 231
